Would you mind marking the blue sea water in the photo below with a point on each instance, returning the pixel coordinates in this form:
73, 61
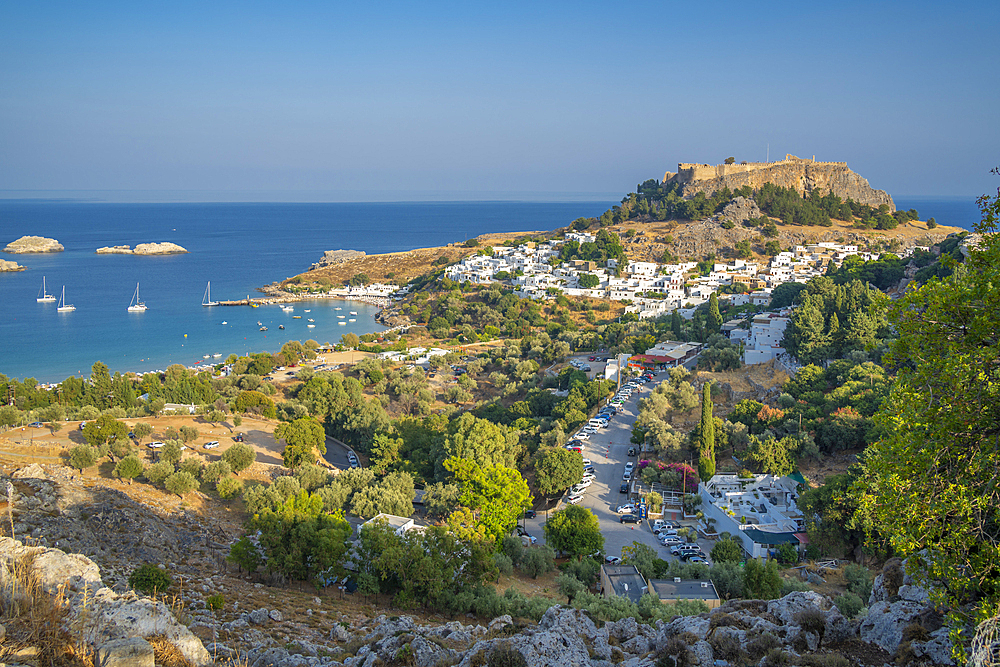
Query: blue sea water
952, 211
238, 247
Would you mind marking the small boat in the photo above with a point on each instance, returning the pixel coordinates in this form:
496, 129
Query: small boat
207, 299
217, 355
263, 329
337, 308
308, 310
340, 316
311, 326
288, 309
136, 306
225, 322
354, 312
281, 326
296, 317
44, 296
352, 320
206, 356
343, 324
63, 306
259, 323
311, 319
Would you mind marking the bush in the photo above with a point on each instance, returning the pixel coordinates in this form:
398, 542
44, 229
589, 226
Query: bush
149, 579
849, 604
215, 471
181, 483
538, 560
505, 656
158, 472
215, 602
82, 456
859, 580
504, 564
793, 585
788, 554
229, 487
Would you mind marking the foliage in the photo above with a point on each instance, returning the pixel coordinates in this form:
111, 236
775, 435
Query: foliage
158, 472
149, 579
180, 483
827, 511
304, 439
728, 579
129, 468
929, 483
849, 604
103, 430
771, 456
215, 471
557, 469
574, 531
706, 446
761, 582
239, 456
229, 487
727, 551
537, 560
498, 493
82, 456
441, 499
215, 602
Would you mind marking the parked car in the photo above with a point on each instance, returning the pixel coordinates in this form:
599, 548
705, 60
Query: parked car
629, 466
657, 525
155, 445
632, 451
698, 559
574, 499
238, 437
589, 475
36, 425
671, 541
626, 509
521, 532
629, 518
586, 462
82, 424
212, 445
613, 560
578, 488
530, 514
624, 488
575, 448
582, 436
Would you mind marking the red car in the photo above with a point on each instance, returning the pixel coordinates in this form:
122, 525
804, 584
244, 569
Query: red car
591, 358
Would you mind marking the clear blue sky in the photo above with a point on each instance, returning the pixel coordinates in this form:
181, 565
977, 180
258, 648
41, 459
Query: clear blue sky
409, 100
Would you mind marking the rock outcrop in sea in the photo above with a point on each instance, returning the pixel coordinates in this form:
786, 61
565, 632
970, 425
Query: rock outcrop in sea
10, 266
143, 249
30, 244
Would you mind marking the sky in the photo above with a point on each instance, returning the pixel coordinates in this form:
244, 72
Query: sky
330, 101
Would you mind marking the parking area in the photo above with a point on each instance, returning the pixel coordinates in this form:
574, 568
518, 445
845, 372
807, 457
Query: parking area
607, 449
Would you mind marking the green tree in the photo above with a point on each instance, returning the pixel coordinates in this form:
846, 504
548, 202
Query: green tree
499, 494
215, 471
229, 487
239, 456
304, 438
929, 484
714, 322
142, 430
727, 551
82, 456
569, 586
170, 452
158, 472
706, 447
557, 469
103, 430
574, 531
129, 468
181, 483
761, 582
188, 434
589, 280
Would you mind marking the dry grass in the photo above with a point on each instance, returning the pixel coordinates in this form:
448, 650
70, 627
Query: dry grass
166, 654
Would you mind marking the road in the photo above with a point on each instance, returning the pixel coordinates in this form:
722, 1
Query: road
608, 451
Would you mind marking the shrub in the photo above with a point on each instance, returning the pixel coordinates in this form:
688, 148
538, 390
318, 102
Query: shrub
793, 585
762, 645
82, 456
229, 487
215, 602
215, 471
859, 580
181, 483
158, 472
812, 620
504, 564
149, 579
727, 647
849, 604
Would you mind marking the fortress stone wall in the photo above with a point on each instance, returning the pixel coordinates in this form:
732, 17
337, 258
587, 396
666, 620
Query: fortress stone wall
803, 175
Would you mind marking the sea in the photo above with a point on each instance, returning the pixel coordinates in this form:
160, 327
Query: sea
238, 247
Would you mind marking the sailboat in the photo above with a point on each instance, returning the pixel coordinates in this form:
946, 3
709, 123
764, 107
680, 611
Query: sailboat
63, 306
136, 306
44, 296
207, 299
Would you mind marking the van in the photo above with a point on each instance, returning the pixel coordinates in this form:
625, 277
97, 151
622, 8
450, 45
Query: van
597, 423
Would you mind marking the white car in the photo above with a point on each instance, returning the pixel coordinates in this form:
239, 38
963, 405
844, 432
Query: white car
657, 525
629, 466
625, 509
671, 540
577, 489
582, 436
587, 462
584, 483
574, 499
588, 476
212, 445
588, 429
155, 445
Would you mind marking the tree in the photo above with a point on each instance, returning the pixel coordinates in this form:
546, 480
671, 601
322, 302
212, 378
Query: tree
103, 430
215, 471
129, 468
158, 472
181, 483
54, 427
142, 430
589, 280
574, 531
714, 322
188, 434
82, 456
557, 469
170, 452
228, 487
303, 438
706, 448
929, 484
237, 421
727, 551
499, 494
771, 456
761, 582
240, 456
569, 586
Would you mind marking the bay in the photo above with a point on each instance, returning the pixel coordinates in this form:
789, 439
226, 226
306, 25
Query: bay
238, 247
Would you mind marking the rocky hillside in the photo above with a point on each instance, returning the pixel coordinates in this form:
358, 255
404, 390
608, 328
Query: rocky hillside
290, 626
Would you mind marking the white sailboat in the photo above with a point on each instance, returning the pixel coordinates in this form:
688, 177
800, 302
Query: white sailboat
44, 296
207, 299
63, 306
136, 306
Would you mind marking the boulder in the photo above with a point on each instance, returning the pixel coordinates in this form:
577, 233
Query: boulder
787, 608
33, 471
500, 622
274, 615
258, 617
134, 652
339, 633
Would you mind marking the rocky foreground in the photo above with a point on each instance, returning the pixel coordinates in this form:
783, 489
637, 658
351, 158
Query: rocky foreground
278, 626
32, 244
143, 249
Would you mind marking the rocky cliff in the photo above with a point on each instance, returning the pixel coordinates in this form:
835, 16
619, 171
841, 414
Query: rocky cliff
10, 266
331, 257
143, 249
799, 174
29, 244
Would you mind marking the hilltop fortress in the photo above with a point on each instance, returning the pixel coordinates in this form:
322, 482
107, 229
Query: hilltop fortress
804, 175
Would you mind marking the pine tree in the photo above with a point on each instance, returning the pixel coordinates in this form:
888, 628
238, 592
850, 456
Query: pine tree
706, 455
714, 316
675, 324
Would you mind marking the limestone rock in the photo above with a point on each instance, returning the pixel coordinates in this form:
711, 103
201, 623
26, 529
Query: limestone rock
32, 244
134, 652
33, 471
837, 628
331, 257
6, 265
739, 210
274, 615
258, 617
500, 622
158, 249
339, 633
883, 626
115, 250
